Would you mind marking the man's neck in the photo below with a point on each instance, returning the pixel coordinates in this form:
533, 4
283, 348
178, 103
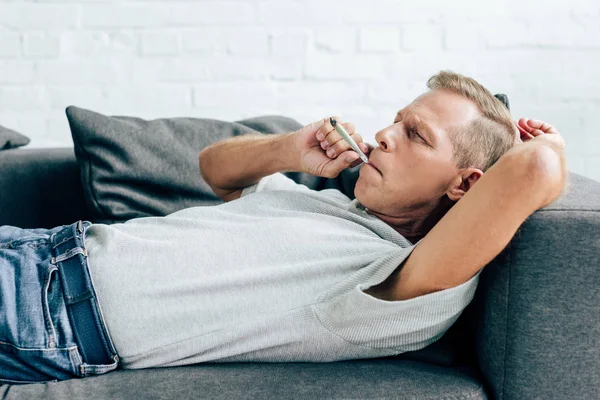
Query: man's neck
414, 227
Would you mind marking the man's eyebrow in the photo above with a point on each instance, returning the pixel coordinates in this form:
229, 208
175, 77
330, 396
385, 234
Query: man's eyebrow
426, 129
423, 127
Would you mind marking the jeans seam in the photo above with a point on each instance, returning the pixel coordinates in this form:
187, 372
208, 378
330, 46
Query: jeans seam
2, 342
76, 361
50, 330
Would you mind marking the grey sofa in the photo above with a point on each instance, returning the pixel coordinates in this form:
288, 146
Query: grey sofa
532, 331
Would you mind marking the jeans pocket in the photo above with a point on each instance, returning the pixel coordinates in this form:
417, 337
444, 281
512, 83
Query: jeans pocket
50, 328
28, 240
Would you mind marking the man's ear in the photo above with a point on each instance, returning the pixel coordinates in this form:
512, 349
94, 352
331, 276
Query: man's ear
463, 182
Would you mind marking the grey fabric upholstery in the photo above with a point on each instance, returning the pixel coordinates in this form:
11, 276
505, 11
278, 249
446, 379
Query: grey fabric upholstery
538, 304
10, 139
40, 188
370, 379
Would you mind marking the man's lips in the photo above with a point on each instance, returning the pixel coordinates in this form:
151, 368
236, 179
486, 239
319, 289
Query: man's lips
374, 166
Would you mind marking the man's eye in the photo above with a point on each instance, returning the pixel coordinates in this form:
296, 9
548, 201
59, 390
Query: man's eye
413, 131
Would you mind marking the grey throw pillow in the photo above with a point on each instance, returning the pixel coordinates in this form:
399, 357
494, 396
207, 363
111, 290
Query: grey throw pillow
131, 167
10, 139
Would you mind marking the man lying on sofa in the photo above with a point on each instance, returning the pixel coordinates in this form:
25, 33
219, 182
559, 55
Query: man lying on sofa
280, 272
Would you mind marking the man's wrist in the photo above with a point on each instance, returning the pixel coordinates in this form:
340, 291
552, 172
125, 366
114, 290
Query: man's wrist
285, 146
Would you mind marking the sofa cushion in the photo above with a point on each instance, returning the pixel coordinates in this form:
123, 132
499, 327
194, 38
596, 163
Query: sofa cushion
10, 139
365, 379
131, 167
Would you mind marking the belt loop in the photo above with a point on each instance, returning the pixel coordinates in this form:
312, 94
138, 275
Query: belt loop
79, 227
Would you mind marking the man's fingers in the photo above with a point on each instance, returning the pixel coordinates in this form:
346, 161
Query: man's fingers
326, 128
541, 125
537, 132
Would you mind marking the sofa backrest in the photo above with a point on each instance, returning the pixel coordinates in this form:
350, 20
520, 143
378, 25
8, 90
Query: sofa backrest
40, 188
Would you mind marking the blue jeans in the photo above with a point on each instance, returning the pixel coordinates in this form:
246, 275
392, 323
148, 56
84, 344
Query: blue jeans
45, 311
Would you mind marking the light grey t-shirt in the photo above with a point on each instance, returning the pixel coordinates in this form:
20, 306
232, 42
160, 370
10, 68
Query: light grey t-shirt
276, 275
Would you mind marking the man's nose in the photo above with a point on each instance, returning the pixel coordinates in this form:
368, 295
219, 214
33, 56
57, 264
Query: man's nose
386, 140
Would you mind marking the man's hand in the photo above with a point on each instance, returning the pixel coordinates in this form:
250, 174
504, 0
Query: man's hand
323, 152
530, 129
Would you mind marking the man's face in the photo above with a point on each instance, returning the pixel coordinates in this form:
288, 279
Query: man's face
413, 165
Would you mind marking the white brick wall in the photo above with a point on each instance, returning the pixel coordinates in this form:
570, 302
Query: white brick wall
306, 59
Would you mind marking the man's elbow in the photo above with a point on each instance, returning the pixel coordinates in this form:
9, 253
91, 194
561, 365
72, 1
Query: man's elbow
547, 168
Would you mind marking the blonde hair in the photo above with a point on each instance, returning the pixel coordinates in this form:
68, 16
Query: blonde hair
482, 141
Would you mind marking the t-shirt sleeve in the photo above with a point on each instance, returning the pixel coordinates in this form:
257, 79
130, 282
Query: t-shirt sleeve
404, 325
276, 181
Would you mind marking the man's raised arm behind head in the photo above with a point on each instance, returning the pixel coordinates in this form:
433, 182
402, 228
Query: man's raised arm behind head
525, 179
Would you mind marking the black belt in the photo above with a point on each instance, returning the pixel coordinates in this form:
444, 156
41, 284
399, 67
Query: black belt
82, 307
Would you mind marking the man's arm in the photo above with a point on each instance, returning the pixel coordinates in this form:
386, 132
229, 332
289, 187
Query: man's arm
483, 222
230, 165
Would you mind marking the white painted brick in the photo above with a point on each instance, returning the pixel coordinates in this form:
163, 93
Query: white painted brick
21, 98
568, 34
593, 168
506, 34
184, 70
16, 72
542, 9
159, 43
32, 125
247, 41
565, 34
122, 42
419, 66
289, 43
576, 162
144, 71
205, 40
286, 68
77, 72
379, 39
38, 16
479, 12
90, 97
211, 13
342, 66
336, 40
422, 37
150, 98
462, 37
393, 12
58, 132
10, 45
587, 8
299, 13
239, 95
82, 43
123, 16
547, 87
394, 93
591, 142
239, 68
41, 45
335, 93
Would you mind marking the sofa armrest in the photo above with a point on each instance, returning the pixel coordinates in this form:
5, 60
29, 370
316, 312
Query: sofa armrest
538, 304
40, 188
